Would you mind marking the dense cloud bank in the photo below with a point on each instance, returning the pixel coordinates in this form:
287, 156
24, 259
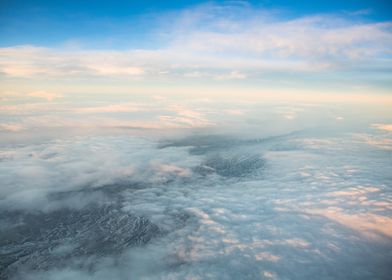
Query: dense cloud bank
298, 206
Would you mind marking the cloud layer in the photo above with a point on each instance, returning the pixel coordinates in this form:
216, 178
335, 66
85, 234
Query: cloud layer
327, 207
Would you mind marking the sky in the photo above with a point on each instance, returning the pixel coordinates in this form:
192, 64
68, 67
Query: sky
337, 46
58, 57
27, 22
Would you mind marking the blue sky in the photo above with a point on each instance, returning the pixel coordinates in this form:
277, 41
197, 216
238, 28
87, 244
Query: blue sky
53, 22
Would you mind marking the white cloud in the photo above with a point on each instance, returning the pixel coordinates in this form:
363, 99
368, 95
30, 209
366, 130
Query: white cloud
14, 127
33, 61
210, 41
232, 75
383, 126
380, 141
369, 224
248, 32
113, 108
44, 94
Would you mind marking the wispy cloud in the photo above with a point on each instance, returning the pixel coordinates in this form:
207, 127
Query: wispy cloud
221, 42
14, 127
44, 95
244, 31
383, 126
113, 108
